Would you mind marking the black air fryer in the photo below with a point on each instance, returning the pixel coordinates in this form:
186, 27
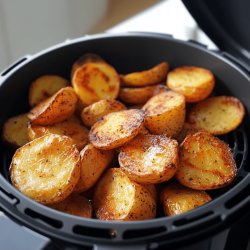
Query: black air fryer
219, 224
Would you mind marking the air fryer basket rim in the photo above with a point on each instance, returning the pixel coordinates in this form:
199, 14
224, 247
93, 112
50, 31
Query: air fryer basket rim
22, 202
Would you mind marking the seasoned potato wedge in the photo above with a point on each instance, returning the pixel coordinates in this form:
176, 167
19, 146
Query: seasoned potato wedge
177, 199
95, 81
206, 162
56, 108
115, 129
152, 189
75, 204
165, 113
93, 162
46, 169
140, 95
217, 115
44, 87
149, 159
71, 127
151, 76
194, 83
92, 113
15, 130
118, 198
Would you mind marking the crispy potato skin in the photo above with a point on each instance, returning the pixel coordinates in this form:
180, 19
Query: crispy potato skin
177, 199
115, 129
149, 159
194, 83
55, 109
217, 115
165, 113
206, 162
92, 113
46, 169
118, 198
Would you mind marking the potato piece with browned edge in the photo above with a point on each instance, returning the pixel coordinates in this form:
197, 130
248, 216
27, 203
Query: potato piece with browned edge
71, 127
119, 198
92, 113
152, 189
95, 81
75, 204
217, 115
150, 76
115, 129
194, 83
46, 169
206, 162
93, 162
165, 113
15, 130
44, 87
149, 159
177, 199
56, 108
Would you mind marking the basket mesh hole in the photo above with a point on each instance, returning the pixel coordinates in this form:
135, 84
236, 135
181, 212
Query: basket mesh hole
240, 140
137, 233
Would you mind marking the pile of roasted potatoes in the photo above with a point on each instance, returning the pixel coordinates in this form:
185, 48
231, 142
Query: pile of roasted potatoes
118, 146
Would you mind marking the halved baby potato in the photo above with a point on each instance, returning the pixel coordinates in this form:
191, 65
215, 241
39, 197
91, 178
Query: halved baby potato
165, 113
92, 113
115, 129
46, 169
194, 83
217, 115
119, 198
149, 159
151, 76
206, 162
177, 199
56, 108
44, 87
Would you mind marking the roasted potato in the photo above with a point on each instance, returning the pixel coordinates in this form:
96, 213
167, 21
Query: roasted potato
206, 162
194, 83
165, 113
151, 76
152, 189
93, 162
149, 159
115, 129
92, 113
71, 127
46, 169
217, 115
118, 198
15, 130
44, 87
56, 108
177, 199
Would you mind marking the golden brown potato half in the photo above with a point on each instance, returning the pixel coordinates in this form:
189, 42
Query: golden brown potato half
71, 127
115, 129
44, 87
206, 162
118, 198
151, 76
217, 115
140, 95
194, 83
56, 108
93, 162
149, 159
152, 189
177, 199
95, 81
46, 169
15, 130
75, 204
92, 113
165, 113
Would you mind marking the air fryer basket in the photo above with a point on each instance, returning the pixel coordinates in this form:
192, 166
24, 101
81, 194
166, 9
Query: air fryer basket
128, 52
